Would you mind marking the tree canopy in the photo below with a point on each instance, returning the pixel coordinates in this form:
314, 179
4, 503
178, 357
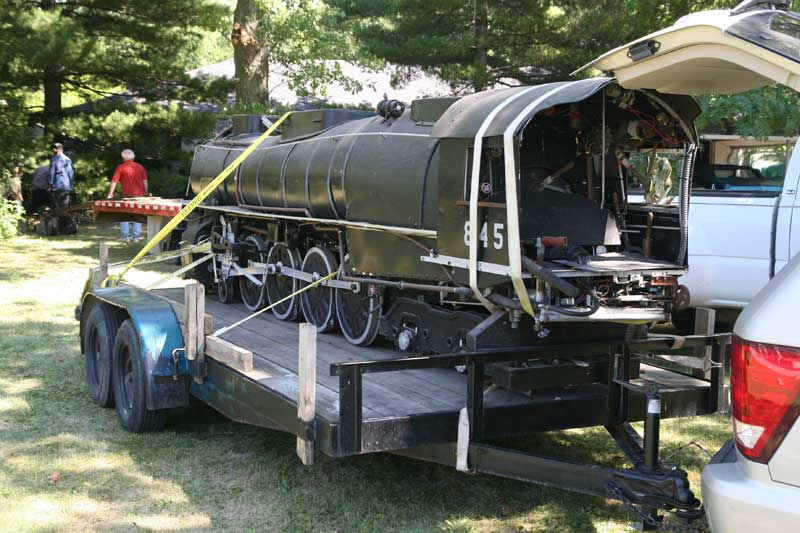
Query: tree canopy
97, 46
478, 43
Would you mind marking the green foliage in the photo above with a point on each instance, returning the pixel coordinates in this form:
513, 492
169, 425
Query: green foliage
774, 110
160, 135
97, 45
526, 41
304, 40
10, 217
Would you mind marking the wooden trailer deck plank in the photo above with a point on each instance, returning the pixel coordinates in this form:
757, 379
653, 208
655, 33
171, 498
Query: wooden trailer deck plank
274, 344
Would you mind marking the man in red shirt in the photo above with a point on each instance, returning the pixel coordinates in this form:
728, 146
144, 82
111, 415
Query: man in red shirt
133, 177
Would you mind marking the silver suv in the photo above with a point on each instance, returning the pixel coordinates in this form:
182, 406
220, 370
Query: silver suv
753, 483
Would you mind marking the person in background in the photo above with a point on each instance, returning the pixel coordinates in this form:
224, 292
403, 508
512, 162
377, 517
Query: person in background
61, 177
14, 192
133, 178
40, 183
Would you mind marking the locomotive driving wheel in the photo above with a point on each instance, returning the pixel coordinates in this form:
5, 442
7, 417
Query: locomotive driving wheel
359, 314
253, 295
279, 286
318, 303
227, 290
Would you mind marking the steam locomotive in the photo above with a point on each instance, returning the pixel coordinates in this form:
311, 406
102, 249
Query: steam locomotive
495, 219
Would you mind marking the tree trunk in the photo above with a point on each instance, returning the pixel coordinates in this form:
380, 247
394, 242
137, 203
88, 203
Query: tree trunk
250, 53
481, 60
52, 93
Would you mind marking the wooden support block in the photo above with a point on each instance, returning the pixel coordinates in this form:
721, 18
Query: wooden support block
229, 354
307, 388
103, 261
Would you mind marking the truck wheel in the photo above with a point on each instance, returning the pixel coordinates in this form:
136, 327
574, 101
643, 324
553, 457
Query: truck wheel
98, 347
129, 382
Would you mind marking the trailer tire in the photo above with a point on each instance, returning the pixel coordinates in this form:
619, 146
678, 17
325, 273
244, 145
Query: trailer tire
99, 333
129, 382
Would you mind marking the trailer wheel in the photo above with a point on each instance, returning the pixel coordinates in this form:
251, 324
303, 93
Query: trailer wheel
318, 303
359, 314
279, 286
98, 347
253, 296
129, 381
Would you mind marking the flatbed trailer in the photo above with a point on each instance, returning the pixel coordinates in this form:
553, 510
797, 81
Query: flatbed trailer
344, 400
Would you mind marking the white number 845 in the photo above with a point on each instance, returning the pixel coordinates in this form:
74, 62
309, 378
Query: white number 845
497, 235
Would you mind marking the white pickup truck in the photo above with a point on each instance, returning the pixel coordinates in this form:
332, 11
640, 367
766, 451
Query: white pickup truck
744, 222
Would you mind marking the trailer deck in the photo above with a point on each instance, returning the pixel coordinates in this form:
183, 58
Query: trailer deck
396, 405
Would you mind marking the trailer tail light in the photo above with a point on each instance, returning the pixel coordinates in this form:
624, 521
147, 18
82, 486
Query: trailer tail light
765, 393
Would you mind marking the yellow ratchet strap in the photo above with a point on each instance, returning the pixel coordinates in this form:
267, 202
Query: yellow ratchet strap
197, 200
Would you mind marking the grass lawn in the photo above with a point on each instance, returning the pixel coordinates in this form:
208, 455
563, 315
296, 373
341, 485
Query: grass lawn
67, 465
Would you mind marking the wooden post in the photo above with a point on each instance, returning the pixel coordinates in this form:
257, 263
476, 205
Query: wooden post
306, 388
194, 299
103, 261
199, 320
190, 318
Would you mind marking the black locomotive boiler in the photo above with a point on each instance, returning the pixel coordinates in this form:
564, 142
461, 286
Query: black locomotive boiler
499, 218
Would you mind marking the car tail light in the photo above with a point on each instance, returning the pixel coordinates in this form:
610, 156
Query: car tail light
765, 393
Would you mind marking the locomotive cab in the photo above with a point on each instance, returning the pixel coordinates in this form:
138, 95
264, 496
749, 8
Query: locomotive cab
550, 211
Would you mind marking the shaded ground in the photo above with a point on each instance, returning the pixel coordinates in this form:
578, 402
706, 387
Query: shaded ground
66, 464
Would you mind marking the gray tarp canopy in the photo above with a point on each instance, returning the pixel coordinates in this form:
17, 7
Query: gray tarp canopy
464, 118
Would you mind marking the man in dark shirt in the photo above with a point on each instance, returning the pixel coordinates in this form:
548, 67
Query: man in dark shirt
62, 176
40, 183
133, 178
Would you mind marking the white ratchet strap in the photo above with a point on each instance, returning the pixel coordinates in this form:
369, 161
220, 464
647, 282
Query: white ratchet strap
512, 209
474, 188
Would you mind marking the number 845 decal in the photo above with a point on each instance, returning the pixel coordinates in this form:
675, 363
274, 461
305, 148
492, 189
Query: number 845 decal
497, 238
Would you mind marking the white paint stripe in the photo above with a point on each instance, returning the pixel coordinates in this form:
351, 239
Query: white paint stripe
473, 195
512, 204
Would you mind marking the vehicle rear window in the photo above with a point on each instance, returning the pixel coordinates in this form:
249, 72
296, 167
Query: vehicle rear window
743, 168
778, 32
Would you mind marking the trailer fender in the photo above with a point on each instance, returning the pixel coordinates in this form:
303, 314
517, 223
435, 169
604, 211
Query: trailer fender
160, 336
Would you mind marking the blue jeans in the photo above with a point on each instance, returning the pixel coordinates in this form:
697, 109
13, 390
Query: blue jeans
125, 229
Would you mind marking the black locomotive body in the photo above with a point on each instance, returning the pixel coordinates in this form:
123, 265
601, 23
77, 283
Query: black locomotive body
500, 218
